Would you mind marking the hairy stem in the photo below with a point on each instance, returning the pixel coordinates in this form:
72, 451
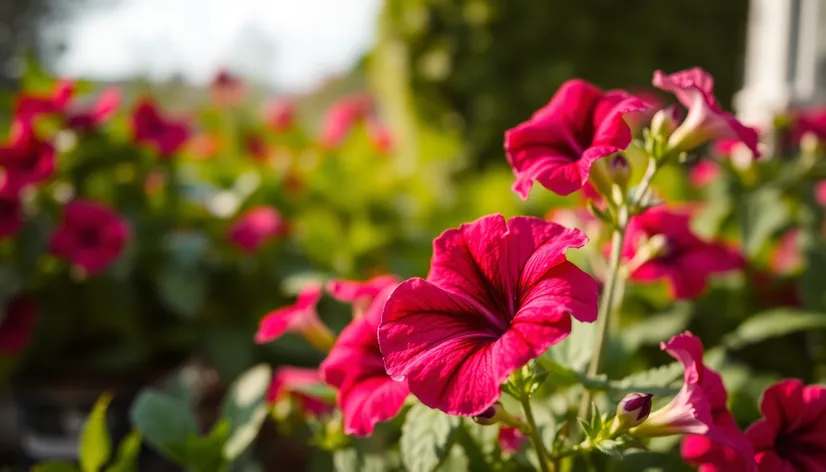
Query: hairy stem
541, 452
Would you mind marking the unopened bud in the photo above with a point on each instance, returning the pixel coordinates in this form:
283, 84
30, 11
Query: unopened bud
492, 415
633, 410
665, 121
620, 170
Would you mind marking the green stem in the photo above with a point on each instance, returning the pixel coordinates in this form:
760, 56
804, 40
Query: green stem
541, 452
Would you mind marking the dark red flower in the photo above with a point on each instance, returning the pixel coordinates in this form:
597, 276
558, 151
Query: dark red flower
706, 120
812, 121
685, 261
792, 434
561, 141
26, 158
366, 394
499, 294
18, 324
255, 146
91, 236
256, 227
150, 127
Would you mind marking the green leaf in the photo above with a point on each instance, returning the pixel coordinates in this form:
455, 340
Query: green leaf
354, 460
456, 461
656, 381
559, 374
425, 440
182, 290
55, 467
771, 324
245, 409
321, 391
764, 214
95, 444
655, 328
127, 456
576, 350
165, 422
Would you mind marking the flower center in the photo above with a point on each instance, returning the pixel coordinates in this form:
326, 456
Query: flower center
88, 238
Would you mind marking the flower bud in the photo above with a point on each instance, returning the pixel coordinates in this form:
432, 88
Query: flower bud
620, 170
633, 410
492, 415
665, 121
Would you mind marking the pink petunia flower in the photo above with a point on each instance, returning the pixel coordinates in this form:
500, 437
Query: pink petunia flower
792, 434
86, 119
561, 141
280, 115
699, 408
60, 102
360, 294
340, 118
18, 324
812, 120
511, 439
29, 106
26, 158
703, 173
150, 127
286, 383
499, 293
706, 120
256, 227
90, 236
366, 394
685, 261
300, 318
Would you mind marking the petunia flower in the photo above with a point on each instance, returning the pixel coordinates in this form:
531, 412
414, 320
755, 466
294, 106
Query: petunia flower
150, 127
366, 394
685, 261
511, 439
342, 116
499, 293
17, 325
29, 106
360, 294
812, 120
791, 436
706, 120
91, 236
280, 115
561, 141
286, 383
820, 193
25, 157
256, 227
703, 173
300, 318
700, 406
86, 119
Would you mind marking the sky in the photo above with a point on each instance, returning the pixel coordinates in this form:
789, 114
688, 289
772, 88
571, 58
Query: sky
292, 44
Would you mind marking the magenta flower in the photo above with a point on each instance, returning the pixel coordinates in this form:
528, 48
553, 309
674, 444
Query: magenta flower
287, 382
300, 318
26, 158
360, 294
29, 106
91, 236
18, 324
561, 141
86, 119
256, 227
499, 293
820, 193
706, 120
162, 133
792, 434
341, 118
685, 261
366, 394
511, 439
703, 173
700, 406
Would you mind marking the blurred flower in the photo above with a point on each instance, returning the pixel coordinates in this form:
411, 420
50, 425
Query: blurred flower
226, 89
812, 120
340, 118
26, 158
684, 260
17, 325
255, 146
280, 115
577, 218
90, 236
706, 120
287, 381
366, 394
637, 119
699, 408
256, 227
101, 111
820, 193
204, 145
360, 294
11, 217
703, 173
499, 293
511, 439
792, 433
380, 136
665, 121
150, 127
300, 318
786, 256
561, 141
29, 106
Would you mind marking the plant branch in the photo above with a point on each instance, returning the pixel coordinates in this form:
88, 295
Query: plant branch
541, 452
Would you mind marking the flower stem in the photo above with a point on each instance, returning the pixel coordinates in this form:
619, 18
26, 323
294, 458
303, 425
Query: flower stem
541, 452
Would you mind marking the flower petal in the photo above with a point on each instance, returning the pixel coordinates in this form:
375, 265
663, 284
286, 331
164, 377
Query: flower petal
370, 401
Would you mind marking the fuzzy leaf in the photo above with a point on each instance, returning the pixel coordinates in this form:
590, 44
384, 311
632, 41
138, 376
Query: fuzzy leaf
772, 324
425, 440
245, 409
